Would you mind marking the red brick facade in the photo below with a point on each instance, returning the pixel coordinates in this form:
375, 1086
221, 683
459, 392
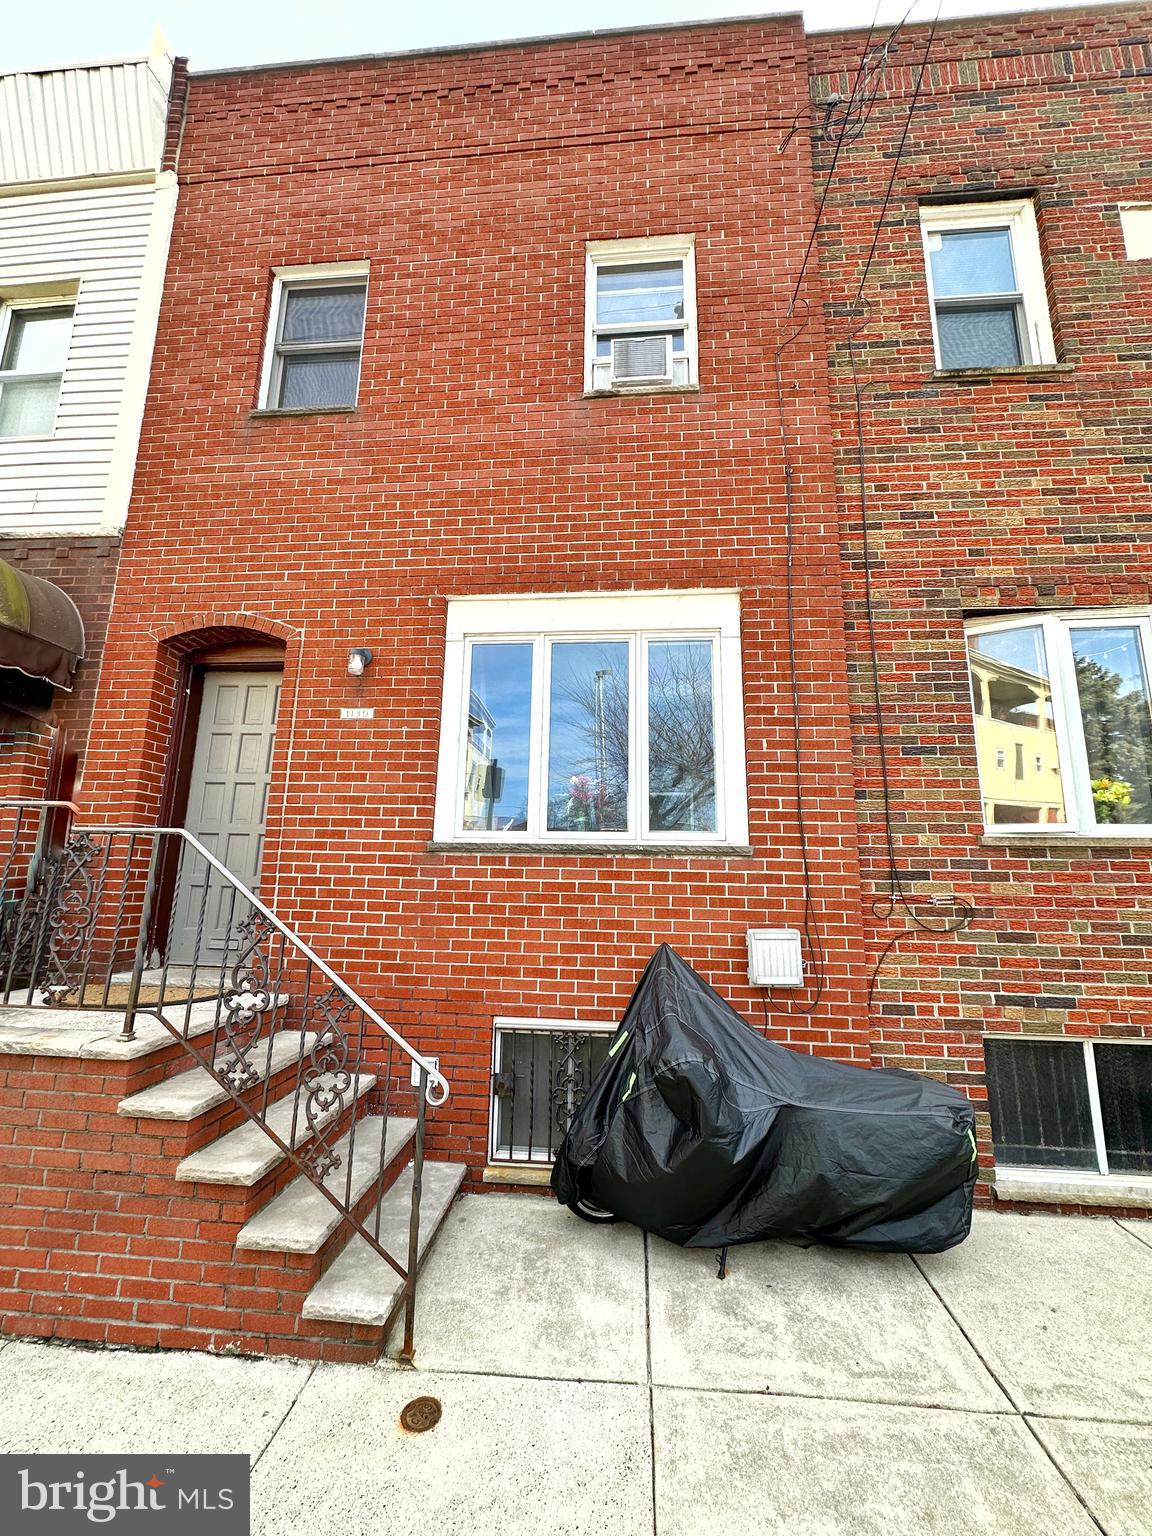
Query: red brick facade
474, 465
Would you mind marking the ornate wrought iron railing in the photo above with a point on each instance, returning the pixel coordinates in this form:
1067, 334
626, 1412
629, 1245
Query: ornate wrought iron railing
539, 1079
147, 922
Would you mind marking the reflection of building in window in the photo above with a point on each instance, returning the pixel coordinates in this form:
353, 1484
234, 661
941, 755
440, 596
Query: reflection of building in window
1016, 743
479, 800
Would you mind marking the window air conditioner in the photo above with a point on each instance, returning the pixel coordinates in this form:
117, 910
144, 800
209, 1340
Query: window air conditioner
642, 360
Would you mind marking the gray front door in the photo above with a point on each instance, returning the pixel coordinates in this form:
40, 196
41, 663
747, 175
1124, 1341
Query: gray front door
227, 808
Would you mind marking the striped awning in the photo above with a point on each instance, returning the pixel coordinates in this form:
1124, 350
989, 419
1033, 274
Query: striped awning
41, 631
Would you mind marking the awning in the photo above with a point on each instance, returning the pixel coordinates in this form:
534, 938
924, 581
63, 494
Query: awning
41, 631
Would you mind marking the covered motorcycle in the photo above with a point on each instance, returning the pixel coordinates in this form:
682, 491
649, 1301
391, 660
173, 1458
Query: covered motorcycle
700, 1130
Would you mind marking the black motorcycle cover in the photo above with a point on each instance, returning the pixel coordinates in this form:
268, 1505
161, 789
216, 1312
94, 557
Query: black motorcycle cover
701, 1130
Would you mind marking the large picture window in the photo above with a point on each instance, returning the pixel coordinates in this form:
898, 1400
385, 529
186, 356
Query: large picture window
1063, 711
593, 719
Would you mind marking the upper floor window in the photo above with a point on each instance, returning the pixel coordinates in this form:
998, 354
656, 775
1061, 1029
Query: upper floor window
986, 284
1064, 721
640, 314
613, 718
34, 341
315, 337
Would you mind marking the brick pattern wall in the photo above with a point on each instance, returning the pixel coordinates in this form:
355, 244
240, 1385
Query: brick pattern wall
993, 495
473, 465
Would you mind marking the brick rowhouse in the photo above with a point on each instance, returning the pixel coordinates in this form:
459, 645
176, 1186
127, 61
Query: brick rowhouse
474, 464
991, 494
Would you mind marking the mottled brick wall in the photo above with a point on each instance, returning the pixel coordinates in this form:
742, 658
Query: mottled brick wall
84, 568
473, 465
993, 494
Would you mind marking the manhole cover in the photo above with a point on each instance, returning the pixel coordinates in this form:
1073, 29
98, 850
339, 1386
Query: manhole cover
420, 1414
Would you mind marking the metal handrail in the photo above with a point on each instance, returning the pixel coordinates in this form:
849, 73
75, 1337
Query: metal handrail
435, 1077
58, 923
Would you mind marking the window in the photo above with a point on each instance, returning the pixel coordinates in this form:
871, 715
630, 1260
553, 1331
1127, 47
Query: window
641, 314
34, 342
593, 719
315, 335
540, 1074
1063, 715
1136, 227
1072, 1104
986, 284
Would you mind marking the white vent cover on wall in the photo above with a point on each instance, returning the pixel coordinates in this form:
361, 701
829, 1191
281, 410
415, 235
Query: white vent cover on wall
641, 358
774, 957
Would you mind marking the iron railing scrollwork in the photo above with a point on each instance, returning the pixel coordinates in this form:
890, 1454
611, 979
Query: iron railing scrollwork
87, 921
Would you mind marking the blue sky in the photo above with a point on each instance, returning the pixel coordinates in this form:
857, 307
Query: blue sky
217, 34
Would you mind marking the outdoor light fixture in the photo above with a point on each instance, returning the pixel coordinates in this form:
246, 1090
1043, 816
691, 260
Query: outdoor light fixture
358, 659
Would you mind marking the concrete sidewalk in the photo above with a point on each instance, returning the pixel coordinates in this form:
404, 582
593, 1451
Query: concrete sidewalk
593, 1381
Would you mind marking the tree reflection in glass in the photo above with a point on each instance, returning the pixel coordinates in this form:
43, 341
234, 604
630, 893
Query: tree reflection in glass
1115, 709
681, 737
588, 735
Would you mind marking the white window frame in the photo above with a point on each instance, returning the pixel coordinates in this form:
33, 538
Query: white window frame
639, 618
1075, 776
1136, 227
621, 253
1088, 1048
337, 274
9, 308
1037, 344
503, 1026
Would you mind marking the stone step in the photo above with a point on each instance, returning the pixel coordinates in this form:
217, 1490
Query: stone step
196, 1091
299, 1219
246, 1154
93, 1033
359, 1287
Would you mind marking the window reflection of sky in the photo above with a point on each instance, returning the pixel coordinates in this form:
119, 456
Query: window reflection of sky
588, 730
502, 680
1023, 648
1115, 649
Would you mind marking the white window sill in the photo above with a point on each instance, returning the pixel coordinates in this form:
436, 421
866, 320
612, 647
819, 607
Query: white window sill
580, 850
1019, 371
1060, 1186
1076, 842
641, 389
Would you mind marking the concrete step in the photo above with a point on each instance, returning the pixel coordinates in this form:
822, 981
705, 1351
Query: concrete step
93, 1033
299, 1219
196, 1091
359, 1287
246, 1154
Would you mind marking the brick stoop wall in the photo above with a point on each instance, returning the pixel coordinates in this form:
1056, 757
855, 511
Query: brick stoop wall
99, 1241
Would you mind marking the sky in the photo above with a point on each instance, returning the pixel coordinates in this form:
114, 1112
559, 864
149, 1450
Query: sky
220, 34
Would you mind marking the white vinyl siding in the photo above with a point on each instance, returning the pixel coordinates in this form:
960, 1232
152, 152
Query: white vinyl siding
102, 249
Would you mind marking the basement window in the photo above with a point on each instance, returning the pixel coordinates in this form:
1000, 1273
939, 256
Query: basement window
315, 338
610, 719
1078, 1105
640, 327
986, 286
1063, 720
34, 342
541, 1072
